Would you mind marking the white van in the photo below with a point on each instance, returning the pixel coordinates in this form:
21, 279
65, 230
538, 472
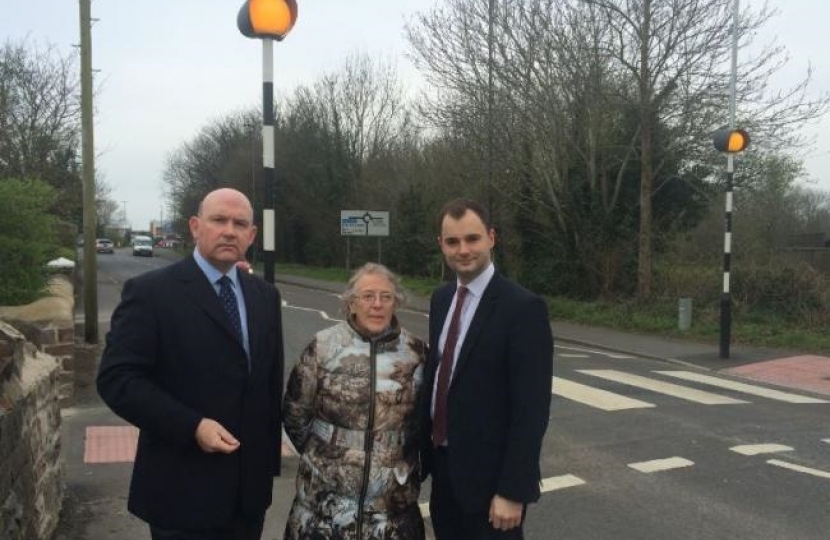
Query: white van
142, 245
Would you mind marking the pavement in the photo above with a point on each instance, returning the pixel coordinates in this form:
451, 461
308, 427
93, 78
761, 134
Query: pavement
98, 447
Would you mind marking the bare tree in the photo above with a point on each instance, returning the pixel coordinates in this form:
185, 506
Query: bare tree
364, 111
591, 93
39, 121
674, 51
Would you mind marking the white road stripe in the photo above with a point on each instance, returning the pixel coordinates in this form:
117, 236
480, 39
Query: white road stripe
607, 354
595, 397
562, 355
756, 449
560, 482
826, 441
548, 484
742, 387
657, 465
675, 390
325, 316
799, 468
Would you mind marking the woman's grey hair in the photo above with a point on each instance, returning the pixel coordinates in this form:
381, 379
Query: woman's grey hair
371, 269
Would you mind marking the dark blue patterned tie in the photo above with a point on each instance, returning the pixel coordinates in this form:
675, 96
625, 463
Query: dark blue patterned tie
228, 300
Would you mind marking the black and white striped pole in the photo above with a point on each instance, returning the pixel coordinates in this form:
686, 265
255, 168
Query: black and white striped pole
269, 177
730, 141
726, 294
268, 20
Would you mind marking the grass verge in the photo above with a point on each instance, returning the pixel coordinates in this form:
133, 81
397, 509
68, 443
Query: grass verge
655, 317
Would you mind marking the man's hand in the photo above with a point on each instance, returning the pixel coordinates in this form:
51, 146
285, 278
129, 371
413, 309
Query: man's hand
505, 514
212, 437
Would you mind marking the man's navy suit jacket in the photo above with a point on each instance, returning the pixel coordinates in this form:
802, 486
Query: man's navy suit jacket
171, 359
498, 403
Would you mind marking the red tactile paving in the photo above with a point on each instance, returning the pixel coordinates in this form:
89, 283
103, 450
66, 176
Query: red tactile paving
116, 444
806, 372
110, 444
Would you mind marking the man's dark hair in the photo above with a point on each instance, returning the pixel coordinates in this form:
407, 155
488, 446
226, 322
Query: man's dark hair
456, 208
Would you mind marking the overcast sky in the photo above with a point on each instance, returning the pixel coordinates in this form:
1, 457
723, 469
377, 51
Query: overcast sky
168, 67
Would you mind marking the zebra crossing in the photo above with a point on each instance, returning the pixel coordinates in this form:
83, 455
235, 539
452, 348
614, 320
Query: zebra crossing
663, 382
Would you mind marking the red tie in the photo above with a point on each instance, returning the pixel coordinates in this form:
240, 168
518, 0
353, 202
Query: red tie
439, 417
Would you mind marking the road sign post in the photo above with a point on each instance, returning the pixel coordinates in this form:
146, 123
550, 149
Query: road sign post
363, 223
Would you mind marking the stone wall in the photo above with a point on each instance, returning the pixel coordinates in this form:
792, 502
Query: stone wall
31, 480
36, 368
48, 323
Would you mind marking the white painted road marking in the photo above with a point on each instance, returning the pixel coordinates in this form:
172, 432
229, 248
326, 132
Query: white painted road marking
742, 387
675, 390
325, 316
560, 482
799, 468
548, 484
606, 354
756, 449
595, 397
657, 465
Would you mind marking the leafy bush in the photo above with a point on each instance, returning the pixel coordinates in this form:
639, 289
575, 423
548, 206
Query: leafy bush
792, 291
781, 291
66, 253
26, 239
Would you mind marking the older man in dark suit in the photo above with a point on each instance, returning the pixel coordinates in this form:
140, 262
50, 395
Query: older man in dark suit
194, 359
490, 371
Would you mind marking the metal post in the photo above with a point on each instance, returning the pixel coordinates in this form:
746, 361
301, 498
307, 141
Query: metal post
684, 314
726, 295
90, 266
269, 176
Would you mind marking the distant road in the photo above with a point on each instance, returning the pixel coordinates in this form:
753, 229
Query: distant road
113, 270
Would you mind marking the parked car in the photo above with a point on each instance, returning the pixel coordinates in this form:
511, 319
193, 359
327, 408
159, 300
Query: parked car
142, 245
104, 245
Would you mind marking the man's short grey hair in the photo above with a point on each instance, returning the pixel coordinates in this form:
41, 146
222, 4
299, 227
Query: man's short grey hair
374, 269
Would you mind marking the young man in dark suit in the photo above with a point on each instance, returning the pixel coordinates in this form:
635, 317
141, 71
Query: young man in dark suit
490, 371
194, 359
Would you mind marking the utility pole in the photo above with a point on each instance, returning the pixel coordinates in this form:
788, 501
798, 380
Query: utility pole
90, 268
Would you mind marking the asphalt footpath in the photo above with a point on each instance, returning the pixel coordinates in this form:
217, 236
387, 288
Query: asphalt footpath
98, 447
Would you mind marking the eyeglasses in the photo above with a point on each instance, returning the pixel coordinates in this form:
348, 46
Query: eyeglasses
369, 297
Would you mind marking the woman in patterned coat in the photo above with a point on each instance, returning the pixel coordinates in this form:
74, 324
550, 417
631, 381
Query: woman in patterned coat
349, 410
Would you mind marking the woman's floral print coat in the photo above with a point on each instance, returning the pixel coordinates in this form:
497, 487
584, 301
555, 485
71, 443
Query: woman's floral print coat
349, 411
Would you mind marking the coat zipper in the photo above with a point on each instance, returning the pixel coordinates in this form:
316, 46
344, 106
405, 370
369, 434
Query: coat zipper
368, 437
